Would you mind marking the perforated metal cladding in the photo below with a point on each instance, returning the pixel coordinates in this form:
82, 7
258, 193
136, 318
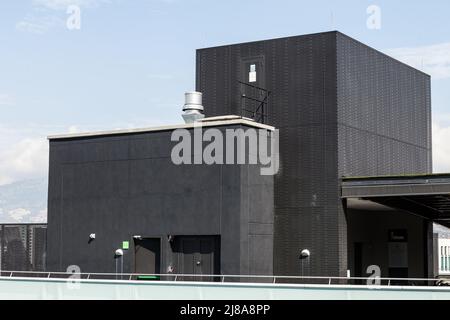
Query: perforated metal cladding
342, 109
384, 113
301, 74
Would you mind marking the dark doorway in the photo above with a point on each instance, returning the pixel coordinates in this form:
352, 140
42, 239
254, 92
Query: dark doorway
398, 255
197, 255
147, 256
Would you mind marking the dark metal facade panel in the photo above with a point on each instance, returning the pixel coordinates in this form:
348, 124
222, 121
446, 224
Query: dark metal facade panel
397, 186
384, 113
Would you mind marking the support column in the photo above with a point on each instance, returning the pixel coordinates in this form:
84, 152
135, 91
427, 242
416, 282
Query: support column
430, 253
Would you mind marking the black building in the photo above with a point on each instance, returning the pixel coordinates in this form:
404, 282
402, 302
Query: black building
190, 219
23, 247
343, 110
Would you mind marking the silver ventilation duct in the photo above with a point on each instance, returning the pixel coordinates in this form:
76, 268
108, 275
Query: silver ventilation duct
193, 109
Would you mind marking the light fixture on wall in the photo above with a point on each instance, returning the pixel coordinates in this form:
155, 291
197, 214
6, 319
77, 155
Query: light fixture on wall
304, 260
170, 238
118, 257
92, 236
305, 254
119, 253
137, 237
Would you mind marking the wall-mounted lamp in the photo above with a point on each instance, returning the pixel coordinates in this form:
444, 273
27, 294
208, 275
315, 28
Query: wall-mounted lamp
305, 254
92, 236
119, 253
137, 237
170, 238
118, 256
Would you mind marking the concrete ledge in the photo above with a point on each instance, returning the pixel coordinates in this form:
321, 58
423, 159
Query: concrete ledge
41, 288
233, 120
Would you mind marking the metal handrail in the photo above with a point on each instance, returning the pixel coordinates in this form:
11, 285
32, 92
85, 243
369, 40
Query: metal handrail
222, 277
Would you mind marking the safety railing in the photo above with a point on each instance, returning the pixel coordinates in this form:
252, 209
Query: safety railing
267, 279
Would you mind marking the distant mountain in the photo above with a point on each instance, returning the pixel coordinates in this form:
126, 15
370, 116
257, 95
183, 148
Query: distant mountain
24, 201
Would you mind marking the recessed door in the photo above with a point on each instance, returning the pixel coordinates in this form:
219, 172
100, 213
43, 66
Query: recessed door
197, 255
147, 255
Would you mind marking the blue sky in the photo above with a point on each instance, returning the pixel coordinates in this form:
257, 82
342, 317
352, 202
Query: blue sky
131, 61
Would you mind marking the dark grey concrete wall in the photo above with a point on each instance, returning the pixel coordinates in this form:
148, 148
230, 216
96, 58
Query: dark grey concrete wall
342, 109
125, 185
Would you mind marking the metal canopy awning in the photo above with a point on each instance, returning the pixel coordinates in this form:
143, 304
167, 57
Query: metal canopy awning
424, 195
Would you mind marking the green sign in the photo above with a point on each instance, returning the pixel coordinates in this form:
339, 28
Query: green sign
125, 245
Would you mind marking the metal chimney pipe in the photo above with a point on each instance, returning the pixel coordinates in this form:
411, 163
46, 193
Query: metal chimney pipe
193, 108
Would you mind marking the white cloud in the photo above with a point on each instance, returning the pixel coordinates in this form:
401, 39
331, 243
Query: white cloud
63, 4
433, 59
18, 214
160, 76
24, 160
6, 100
441, 148
37, 24
40, 218
44, 16
73, 129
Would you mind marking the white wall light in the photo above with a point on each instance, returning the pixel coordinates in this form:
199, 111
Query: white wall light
305, 254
